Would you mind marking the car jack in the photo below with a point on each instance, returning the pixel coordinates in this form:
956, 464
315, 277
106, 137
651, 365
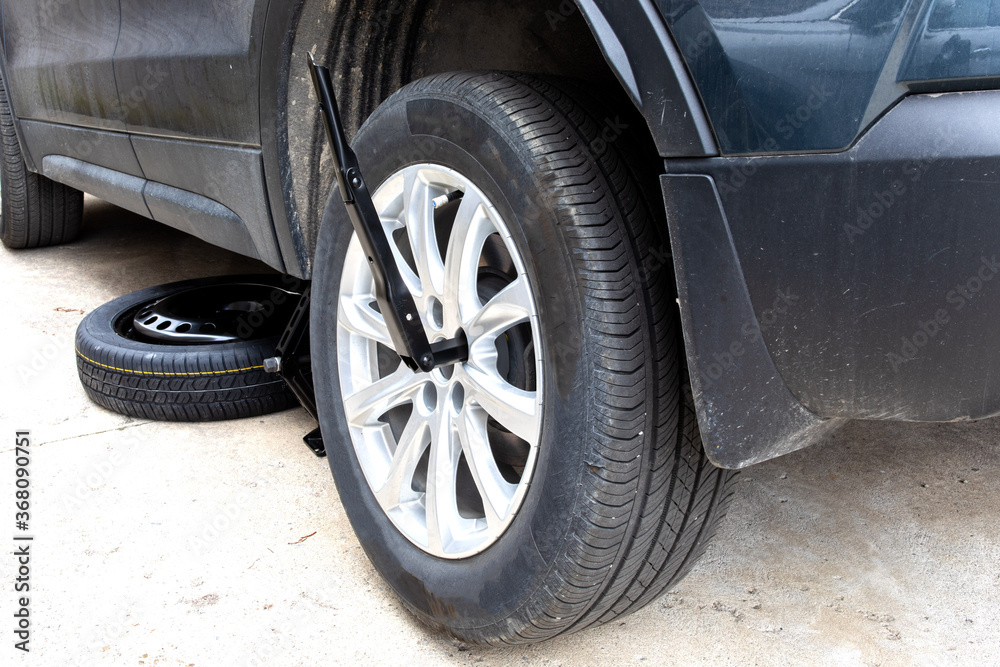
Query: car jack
406, 330
292, 361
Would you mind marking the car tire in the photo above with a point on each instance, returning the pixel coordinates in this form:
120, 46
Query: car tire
178, 383
613, 499
34, 211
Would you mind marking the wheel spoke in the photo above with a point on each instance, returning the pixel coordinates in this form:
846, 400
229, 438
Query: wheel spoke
422, 234
364, 407
442, 501
496, 492
411, 279
510, 307
410, 447
515, 409
357, 316
473, 226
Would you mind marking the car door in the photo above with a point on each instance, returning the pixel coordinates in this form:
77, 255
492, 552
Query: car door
188, 68
188, 73
59, 61
61, 82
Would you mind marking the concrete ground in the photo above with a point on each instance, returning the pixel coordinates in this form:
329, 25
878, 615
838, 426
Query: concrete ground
166, 544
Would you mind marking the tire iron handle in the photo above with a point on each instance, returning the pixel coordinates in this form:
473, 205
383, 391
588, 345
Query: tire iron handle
394, 298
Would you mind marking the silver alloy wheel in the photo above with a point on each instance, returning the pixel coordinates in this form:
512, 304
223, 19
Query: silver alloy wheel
449, 455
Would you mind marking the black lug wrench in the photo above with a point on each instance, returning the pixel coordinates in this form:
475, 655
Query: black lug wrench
394, 298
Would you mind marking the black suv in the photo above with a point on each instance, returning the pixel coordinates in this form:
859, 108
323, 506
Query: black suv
673, 237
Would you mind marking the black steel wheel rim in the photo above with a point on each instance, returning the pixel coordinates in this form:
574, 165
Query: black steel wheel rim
211, 315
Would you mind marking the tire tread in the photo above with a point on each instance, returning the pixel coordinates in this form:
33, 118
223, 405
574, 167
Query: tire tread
36, 211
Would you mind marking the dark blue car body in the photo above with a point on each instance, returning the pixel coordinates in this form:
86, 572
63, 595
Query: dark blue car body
830, 169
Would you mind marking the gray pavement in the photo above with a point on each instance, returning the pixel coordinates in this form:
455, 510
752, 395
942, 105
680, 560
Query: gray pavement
166, 544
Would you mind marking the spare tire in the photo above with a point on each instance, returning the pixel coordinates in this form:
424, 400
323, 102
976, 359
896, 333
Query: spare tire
195, 353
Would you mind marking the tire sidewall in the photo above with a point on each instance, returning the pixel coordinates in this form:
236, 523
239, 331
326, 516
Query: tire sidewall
495, 584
